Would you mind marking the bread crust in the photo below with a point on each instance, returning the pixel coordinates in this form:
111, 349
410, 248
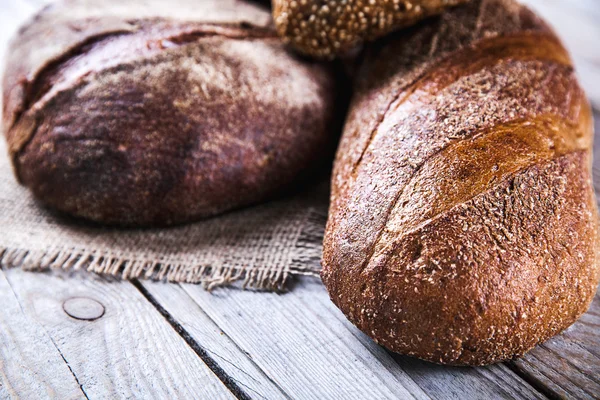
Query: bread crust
325, 29
137, 114
463, 226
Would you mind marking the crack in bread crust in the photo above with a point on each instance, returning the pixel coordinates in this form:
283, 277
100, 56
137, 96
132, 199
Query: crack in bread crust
522, 239
465, 62
481, 54
477, 165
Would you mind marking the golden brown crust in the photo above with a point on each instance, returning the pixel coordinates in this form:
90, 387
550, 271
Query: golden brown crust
128, 116
463, 224
324, 29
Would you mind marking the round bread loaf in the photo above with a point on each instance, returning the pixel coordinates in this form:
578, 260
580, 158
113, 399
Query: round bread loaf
148, 113
463, 226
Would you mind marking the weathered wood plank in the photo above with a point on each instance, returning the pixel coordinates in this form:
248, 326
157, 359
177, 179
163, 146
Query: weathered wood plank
30, 364
294, 348
213, 340
131, 351
304, 344
443, 382
306, 355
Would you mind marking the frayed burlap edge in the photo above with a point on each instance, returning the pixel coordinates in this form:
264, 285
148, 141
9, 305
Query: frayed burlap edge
255, 277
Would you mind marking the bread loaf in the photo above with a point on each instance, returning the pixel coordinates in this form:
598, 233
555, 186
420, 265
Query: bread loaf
325, 29
154, 113
463, 226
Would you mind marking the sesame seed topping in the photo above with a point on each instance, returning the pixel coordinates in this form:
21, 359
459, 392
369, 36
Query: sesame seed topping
325, 28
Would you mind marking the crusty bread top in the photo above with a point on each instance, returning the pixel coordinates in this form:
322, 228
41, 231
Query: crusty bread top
414, 82
63, 30
72, 22
154, 113
463, 226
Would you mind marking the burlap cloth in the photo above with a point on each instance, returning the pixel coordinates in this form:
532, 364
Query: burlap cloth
259, 247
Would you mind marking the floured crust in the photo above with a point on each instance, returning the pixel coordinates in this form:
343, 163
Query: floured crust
463, 224
133, 114
73, 23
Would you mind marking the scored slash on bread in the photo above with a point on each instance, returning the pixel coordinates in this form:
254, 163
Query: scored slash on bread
325, 28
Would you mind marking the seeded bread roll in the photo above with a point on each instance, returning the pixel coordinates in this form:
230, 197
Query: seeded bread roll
155, 113
463, 226
324, 29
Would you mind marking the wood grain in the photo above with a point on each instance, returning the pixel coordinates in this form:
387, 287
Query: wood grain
492, 382
234, 362
441, 382
130, 352
307, 354
306, 346
31, 366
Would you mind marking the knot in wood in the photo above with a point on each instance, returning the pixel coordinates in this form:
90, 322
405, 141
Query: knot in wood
83, 308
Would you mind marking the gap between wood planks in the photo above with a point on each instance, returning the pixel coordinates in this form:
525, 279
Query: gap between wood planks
127, 351
203, 352
43, 347
315, 302
66, 362
533, 381
227, 380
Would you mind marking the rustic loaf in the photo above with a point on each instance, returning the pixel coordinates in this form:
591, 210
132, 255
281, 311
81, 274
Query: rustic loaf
155, 113
463, 226
325, 29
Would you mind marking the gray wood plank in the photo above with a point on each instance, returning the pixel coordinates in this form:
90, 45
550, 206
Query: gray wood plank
30, 364
234, 362
131, 351
304, 344
306, 356
491, 382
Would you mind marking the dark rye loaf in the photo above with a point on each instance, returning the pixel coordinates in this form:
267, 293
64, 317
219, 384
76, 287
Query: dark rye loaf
463, 226
160, 112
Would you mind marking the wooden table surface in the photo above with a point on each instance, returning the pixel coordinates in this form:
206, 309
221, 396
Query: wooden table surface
67, 337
